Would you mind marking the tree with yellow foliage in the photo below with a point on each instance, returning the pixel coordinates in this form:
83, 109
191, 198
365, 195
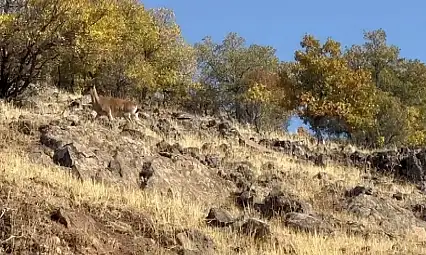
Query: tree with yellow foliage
33, 34
330, 95
125, 48
130, 51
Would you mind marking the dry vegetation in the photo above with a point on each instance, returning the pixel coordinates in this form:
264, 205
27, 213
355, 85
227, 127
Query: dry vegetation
71, 184
30, 190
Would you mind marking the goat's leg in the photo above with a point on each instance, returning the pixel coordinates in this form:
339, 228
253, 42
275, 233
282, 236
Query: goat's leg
128, 116
110, 115
95, 116
136, 116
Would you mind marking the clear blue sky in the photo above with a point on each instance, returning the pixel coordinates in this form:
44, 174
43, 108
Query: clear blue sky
282, 24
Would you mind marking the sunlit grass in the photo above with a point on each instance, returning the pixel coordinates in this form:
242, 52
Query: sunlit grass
52, 185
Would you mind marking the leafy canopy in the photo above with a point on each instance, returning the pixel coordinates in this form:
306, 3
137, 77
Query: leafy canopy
330, 94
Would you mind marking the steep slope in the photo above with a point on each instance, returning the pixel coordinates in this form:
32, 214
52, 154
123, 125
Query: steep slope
70, 185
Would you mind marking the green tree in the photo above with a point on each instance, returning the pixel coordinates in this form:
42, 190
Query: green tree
376, 56
401, 84
239, 79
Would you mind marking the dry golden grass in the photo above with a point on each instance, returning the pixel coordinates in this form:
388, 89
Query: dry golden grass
177, 212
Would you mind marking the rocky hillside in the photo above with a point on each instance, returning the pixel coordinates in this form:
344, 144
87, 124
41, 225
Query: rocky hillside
175, 183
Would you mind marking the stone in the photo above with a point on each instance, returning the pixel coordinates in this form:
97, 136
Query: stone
307, 223
253, 227
193, 241
219, 217
280, 202
358, 190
